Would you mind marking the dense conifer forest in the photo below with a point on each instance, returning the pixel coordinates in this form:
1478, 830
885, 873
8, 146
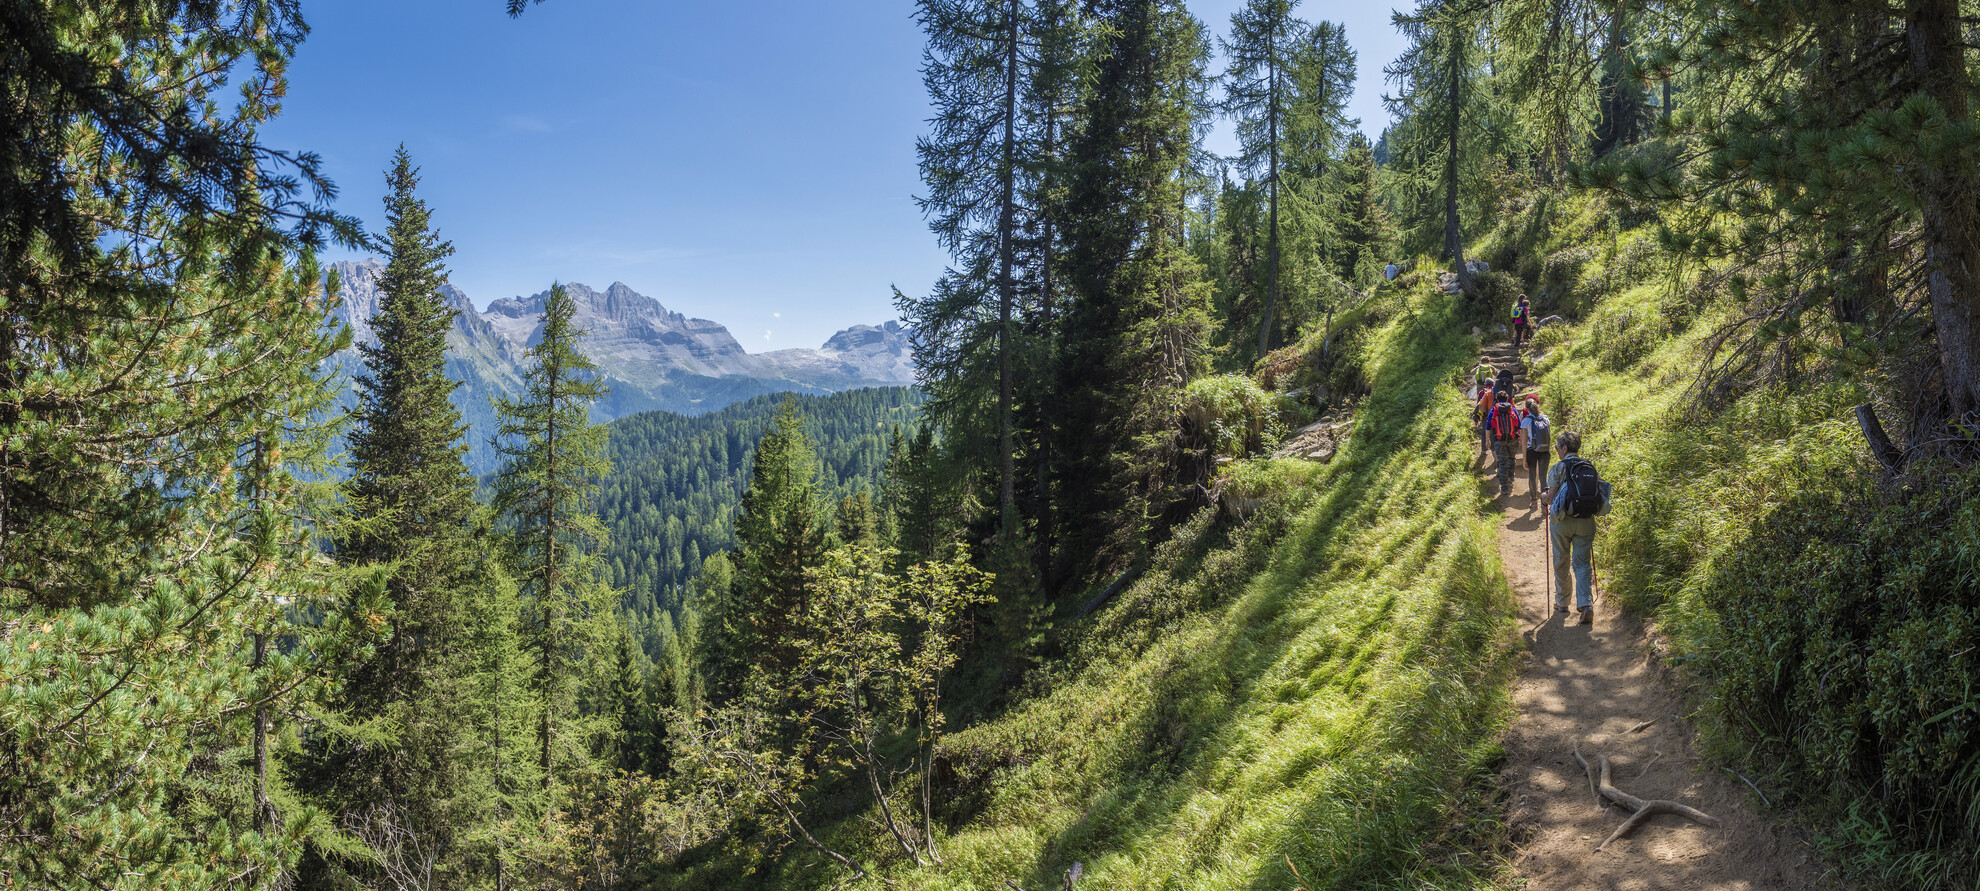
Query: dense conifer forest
671, 498
1172, 571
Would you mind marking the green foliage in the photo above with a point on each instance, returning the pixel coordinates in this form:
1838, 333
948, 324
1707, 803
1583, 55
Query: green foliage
872, 649
780, 538
544, 495
1137, 331
1447, 132
418, 779
1001, 76
1231, 415
158, 413
1318, 686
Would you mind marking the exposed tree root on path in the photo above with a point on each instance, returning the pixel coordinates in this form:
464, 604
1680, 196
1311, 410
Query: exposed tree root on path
1644, 810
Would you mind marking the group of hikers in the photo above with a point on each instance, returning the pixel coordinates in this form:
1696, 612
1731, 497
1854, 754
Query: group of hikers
1511, 426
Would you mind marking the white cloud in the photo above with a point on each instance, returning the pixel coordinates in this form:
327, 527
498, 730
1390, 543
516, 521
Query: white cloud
766, 335
776, 315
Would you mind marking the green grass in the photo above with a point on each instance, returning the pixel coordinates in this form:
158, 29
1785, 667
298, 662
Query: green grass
1311, 697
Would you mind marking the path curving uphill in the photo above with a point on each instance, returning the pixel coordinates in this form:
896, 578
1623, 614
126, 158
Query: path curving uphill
1600, 685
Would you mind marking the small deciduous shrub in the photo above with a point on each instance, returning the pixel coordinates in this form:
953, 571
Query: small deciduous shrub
1845, 652
1230, 414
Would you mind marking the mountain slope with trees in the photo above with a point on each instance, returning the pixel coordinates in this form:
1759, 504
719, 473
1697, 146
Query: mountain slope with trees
1172, 573
670, 501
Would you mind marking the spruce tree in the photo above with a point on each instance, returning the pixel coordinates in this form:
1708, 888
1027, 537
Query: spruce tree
544, 493
418, 775
1136, 333
1363, 226
780, 536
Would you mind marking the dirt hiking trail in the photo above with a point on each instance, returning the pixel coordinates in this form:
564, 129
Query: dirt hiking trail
1596, 684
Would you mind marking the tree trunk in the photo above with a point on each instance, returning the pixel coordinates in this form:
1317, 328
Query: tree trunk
264, 810
1951, 226
1453, 233
1047, 370
1271, 194
1006, 485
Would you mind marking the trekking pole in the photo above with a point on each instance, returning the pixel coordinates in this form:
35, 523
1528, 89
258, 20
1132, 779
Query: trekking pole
1547, 535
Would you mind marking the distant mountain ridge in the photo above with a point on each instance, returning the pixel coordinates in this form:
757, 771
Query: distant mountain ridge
651, 358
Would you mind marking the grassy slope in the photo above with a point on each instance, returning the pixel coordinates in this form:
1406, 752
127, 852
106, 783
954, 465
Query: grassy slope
1319, 687
1825, 616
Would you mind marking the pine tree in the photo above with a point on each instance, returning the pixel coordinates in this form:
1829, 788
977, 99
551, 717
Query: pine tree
1258, 92
544, 494
1135, 335
926, 497
159, 332
780, 536
417, 773
1840, 130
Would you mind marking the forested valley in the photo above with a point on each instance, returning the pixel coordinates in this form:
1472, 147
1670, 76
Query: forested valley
1175, 569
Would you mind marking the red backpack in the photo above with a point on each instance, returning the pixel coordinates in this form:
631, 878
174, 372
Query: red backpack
1504, 425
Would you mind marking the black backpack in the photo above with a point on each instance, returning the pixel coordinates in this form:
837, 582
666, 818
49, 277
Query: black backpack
1581, 491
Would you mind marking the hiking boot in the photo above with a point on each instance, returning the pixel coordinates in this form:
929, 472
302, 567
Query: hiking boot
1560, 606
1587, 615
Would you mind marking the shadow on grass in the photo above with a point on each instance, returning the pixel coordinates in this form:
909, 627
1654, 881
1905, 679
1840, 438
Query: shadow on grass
1380, 610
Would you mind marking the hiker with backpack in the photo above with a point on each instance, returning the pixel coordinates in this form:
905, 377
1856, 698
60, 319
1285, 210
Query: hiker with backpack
1575, 496
1522, 321
1481, 377
1537, 436
1481, 416
1502, 424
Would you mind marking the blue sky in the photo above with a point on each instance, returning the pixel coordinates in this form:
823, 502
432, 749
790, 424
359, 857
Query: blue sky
747, 163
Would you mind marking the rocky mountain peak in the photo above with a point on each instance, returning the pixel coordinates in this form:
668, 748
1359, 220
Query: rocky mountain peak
650, 356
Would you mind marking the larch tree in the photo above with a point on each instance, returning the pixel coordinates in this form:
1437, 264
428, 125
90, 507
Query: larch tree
1003, 76
1441, 108
1259, 89
543, 494
974, 70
